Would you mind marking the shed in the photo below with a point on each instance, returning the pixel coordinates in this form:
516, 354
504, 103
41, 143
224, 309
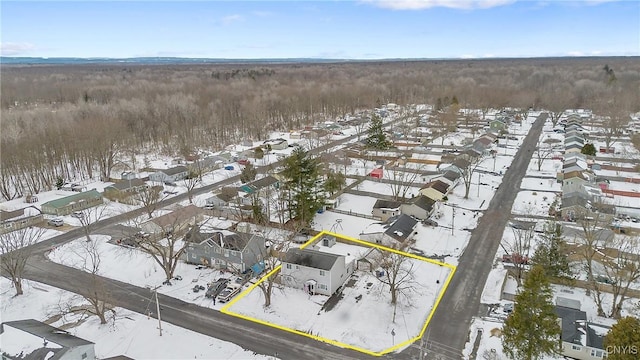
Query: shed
377, 173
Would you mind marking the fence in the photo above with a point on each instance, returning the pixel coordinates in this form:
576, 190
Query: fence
351, 213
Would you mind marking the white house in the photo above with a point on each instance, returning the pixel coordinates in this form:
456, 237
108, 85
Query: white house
170, 175
581, 339
314, 271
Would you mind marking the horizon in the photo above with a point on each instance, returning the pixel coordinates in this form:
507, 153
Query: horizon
338, 30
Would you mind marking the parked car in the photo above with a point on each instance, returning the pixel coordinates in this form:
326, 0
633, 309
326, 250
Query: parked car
78, 214
229, 292
216, 287
56, 222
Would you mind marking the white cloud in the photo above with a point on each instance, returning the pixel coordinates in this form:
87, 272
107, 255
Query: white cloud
231, 19
11, 48
427, 4
261, 13
575, 53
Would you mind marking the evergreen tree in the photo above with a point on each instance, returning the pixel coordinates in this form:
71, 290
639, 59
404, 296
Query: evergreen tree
376, 138
302, 179
335, 182
532, 330
59, 182
551, 254
623, 340
588, 149
248, 173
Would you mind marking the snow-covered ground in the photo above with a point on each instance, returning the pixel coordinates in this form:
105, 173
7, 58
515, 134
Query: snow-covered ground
350, 321
132, 334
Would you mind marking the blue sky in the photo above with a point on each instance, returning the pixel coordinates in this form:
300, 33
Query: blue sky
369, 29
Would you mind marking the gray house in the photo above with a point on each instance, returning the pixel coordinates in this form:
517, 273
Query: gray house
420, 207
399, 229
236, 251
21, 334
170, 175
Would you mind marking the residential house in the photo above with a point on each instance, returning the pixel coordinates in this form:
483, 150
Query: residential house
436, 190
42, 341
170, 175
19, 219
580, 338
314, 271
498, 124
385, 209
277, 144
261, 185
71, 203
175, 221
396, 231
573, 147
452, 177
572, 207
128, 175
220, 200
125, 188
574, 179
370, 260
238, 252
419, 207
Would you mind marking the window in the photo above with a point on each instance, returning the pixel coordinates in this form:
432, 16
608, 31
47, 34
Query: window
84, 355
384, 212
289, 266
596, 353
322, 286
576, 347
321, 272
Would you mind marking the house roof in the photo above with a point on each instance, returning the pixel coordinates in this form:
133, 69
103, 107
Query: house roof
311, 258
573, 145
127, 184
423, 202
461, 163
484, 141
577, 330
175, 170
437, 185
259, 184
573, 174
402, 227
573, 201
48, 332
451, 175
62, 202
386, 204
178, 216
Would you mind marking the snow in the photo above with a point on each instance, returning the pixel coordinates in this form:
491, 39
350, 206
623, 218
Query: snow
382, 188
348, 225
16, 342
492, 293
356, 203
350, 321
132, 334
538, 184
533, 203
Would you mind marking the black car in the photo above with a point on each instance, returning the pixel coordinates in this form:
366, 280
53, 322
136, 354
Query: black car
216, 287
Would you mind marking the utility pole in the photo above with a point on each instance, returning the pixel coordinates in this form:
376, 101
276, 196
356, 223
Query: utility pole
479, 175
155, 291
453, 216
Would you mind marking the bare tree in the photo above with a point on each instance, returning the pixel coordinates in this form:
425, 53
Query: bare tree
193, 179
149, 199
589, 241
167, 246
615, 119
401, 181
15, 247
468, 166
544, 150
89, 217
519, 250
622, 269
97, 293
398, 275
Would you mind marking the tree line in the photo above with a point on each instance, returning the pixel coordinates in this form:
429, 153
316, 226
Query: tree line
82, 120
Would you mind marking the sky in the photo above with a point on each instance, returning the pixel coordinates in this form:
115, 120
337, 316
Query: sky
356, 29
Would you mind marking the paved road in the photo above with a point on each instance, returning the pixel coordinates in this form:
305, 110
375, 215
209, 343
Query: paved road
251, 336
449, 327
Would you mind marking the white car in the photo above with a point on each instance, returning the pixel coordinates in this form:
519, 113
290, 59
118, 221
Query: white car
57, 222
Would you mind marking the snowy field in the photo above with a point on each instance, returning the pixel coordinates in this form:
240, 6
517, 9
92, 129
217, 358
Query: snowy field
350, 321
537, 184
533, 203
383, 189
132, 334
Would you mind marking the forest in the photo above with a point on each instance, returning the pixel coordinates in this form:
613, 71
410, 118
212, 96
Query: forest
65, 121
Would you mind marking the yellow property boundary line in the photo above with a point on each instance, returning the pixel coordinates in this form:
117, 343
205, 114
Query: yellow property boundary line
225, 309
